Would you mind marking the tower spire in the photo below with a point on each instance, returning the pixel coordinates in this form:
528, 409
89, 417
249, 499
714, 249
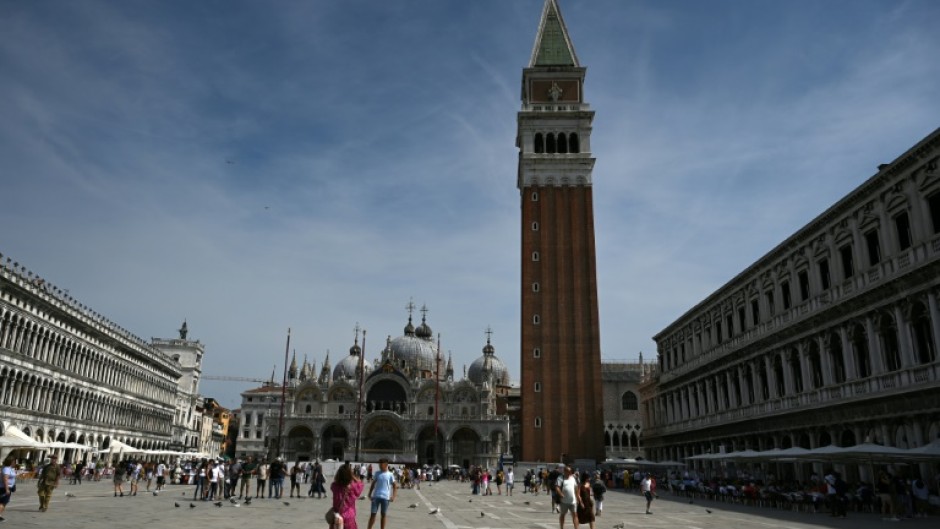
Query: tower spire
552, 44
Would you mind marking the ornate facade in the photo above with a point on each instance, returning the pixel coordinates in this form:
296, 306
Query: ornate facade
68, 374
387, 408
562, 402
623, 420
831, 338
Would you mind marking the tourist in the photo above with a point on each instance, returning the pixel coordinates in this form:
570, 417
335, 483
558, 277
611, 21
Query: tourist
118, 479
346, 489
295, 474
48, 481
599, 489
509, 481
586, 505
648, 488
383, 490
263, 470
566, 488
9, 484
248, 468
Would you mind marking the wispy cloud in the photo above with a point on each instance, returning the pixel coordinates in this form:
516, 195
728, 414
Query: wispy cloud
317, 164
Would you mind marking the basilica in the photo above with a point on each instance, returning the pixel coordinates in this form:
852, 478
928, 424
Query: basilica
405, 405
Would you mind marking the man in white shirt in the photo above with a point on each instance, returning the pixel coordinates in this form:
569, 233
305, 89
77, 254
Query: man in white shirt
567, 489
161, 475
510, 481
648, 488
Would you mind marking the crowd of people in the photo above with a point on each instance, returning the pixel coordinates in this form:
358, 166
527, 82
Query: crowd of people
580, 494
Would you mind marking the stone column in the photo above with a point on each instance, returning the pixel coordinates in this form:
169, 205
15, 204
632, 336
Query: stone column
787, 358
874, 347
709, 397
825, 361
732, 398
758, 391
848, 354
904, 337
934, 311
768, 362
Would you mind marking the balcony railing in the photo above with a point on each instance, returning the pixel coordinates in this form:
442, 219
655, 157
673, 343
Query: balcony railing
912, 379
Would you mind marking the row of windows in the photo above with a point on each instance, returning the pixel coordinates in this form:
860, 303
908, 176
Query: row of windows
21, 335
561, 143
750, 315
39, 394
751, 382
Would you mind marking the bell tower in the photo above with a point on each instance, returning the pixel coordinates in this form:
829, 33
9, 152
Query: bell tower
562, 399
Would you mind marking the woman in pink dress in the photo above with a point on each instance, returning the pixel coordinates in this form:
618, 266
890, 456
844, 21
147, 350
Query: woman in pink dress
346, 489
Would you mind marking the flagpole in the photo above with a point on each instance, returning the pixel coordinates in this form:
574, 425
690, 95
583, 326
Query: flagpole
437, 401
362, 356
280, 421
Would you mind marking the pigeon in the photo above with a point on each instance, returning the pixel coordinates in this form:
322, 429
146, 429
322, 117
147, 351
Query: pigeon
232, 500
362, 497
286, 503
413, 506
176, 504
709, 511
619, 525
183, 494
69, 495
470, 500
527, 503
192, 505
155, 493
218, 504
482, 514
435, 511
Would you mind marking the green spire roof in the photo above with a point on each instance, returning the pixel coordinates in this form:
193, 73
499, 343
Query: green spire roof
552, 45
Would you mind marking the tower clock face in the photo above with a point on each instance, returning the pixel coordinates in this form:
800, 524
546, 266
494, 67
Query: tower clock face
551, 90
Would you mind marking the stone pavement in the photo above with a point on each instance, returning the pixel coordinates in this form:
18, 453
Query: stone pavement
92, 505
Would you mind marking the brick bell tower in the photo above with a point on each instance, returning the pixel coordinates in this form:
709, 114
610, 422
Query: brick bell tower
562, 400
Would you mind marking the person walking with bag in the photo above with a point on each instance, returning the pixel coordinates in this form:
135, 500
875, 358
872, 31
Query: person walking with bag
346, 489
8, 485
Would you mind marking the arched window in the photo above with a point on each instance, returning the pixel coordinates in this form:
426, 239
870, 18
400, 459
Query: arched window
562, 143
889, 343
550, 143
836, 359
815, 365
574, 145
538, 422
308, 409
628, 401
923, 338
539, 143
859, 341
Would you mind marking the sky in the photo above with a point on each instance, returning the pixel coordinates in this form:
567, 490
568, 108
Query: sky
257, 166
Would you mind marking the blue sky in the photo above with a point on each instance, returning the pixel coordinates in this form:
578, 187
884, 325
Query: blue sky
254, 166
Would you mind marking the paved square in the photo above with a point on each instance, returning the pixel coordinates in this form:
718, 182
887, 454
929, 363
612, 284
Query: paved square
92, 505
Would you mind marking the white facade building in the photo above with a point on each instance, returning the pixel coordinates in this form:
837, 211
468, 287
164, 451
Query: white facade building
830, 338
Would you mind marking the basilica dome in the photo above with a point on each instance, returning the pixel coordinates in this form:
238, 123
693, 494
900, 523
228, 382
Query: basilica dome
488, 365
348, 367
415, 351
